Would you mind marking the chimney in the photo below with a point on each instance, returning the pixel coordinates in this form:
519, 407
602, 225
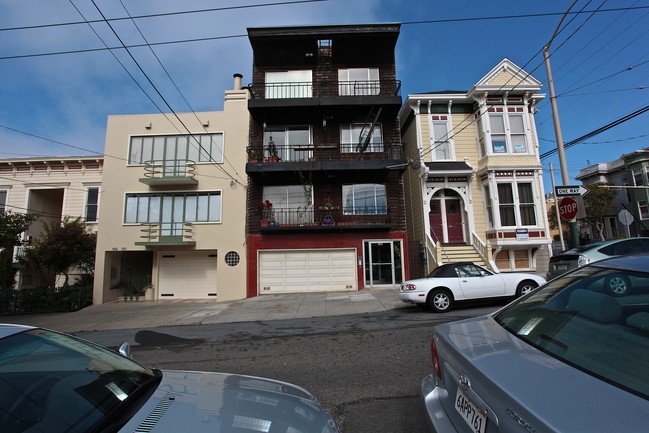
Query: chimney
237, 81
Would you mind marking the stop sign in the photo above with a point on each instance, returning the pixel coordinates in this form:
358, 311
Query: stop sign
568, 208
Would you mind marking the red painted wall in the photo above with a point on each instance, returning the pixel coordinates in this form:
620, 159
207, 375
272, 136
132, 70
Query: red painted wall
306, 241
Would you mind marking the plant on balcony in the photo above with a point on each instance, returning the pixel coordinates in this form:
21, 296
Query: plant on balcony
266, 209
272, 151
328, 220
255, 155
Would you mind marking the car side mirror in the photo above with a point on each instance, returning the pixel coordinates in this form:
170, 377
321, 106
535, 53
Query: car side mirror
483, 274
125, 350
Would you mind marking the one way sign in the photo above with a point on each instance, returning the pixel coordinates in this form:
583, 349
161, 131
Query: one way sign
569, 190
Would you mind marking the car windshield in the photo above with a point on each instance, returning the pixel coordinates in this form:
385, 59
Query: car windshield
49, 379
595, 319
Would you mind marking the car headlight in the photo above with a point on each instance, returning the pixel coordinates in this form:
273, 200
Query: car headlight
583, 260
408, 287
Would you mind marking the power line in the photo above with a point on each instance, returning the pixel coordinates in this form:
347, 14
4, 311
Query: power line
406, 23
165, 14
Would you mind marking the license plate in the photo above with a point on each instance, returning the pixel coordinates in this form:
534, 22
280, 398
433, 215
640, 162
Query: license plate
562, 267
470, 412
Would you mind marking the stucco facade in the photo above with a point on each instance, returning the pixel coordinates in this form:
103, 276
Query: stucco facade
172, 220
474, 187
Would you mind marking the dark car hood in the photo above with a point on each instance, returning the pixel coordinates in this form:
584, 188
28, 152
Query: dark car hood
513, 377
198, 402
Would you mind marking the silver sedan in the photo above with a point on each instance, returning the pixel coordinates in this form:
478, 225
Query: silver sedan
569, 357
54, 383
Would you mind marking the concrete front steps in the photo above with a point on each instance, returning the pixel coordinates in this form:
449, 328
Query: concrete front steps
462, 253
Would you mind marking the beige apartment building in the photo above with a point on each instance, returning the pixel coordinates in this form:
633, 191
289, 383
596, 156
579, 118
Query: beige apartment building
173, 205
474, 187
55, 188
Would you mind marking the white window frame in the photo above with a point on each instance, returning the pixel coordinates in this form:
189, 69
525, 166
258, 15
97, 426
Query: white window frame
177, 207
88, 204
289, 84
443, 143
3, 202
349, 145
359, 82
635, 173
643, 209
510, 143
377, 195
198, 148
515, 204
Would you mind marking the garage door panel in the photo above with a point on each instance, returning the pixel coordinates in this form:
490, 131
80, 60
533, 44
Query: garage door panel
308, 270
187, 275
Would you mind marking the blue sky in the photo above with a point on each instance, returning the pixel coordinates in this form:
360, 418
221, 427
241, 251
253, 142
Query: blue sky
58, 104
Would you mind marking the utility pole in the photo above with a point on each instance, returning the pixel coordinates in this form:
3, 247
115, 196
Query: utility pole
556, 209
565, 177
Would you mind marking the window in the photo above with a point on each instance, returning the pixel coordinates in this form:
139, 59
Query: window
289, 84
92, 204
516, 210
291, 204
353, 134
3, 200
440, 144
508, 133
180, 148
358, 81
487, 201
364, 199
293, 143
643, 209
173, 208
638, 178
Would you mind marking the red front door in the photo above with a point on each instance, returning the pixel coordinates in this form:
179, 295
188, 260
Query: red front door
454, 227
435, 219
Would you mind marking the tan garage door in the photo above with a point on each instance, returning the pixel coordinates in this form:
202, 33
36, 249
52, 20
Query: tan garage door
307, 271
187, 275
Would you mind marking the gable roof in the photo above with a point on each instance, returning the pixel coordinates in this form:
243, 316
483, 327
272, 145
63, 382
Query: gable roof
506, 76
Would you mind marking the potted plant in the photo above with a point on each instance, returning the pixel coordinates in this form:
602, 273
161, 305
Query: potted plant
328, 220
272, 151
255, 155
266, 208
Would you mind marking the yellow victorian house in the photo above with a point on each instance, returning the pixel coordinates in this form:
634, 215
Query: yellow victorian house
474, 185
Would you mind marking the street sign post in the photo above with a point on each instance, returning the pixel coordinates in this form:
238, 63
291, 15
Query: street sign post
568, 208
570, 190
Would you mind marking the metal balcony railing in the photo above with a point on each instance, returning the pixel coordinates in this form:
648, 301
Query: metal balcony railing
168, 233
308, 216
324, 151
308, 89
163, 168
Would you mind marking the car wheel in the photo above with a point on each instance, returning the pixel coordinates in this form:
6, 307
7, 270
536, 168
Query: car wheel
439, 300
617, 285
525, 287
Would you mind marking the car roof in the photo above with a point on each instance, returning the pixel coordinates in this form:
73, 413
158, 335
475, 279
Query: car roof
8, 329
632, 262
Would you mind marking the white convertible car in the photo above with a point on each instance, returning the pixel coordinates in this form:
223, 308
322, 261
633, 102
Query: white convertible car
465, 281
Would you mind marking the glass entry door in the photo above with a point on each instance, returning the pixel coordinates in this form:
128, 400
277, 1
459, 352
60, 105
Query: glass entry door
383, 263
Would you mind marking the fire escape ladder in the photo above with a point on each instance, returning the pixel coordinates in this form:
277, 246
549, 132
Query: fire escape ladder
368, 128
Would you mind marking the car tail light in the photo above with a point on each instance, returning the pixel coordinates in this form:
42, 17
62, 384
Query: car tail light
433, 352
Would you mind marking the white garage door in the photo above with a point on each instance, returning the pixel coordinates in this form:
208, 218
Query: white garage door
307, 271
187, 275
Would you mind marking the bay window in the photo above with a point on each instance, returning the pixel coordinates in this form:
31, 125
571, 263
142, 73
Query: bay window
172, 210
508, 131
516, 204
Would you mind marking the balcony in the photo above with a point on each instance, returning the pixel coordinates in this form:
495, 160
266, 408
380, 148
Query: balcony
167, 234
169, 172
320, 93
323, 219
325, 156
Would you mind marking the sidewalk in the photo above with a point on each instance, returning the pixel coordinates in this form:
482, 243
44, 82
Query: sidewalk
152, 314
